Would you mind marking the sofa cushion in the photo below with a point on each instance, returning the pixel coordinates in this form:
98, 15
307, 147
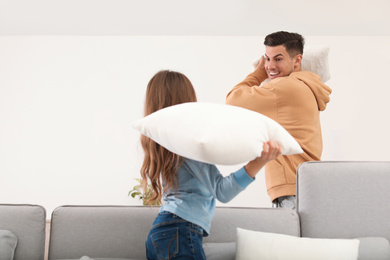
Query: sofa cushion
262, 245
275, 220
374, 248
220, 251
214, 133
8, 243
28, 223
77, 230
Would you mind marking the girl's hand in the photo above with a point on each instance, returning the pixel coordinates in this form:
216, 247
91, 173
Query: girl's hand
271, 151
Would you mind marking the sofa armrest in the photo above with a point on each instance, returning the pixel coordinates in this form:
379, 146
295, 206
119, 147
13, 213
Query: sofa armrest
344, 199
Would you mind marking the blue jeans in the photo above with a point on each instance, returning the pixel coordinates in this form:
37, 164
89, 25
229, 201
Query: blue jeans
172, 237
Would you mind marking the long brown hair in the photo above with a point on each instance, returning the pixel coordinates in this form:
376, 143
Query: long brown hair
166, 88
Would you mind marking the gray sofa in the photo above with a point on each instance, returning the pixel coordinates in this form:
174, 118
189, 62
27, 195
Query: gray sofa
336, 200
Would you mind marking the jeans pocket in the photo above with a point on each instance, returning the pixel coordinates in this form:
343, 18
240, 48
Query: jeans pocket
166, 243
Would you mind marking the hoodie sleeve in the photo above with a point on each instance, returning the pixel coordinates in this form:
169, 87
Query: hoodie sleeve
319, 89
248, 94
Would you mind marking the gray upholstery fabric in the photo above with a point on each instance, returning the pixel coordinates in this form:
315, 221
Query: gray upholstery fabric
28, 223
120, 231
374, 248
8, 242
220, 251
100, 231
227, 219
344, 199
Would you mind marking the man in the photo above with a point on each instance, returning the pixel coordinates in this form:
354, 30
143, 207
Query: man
293, 98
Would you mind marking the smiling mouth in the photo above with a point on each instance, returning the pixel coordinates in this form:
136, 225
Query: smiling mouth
274, 74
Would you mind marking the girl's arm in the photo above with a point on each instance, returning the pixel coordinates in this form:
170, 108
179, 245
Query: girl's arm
271, 150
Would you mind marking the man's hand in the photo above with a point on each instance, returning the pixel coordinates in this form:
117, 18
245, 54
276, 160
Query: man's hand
261, 64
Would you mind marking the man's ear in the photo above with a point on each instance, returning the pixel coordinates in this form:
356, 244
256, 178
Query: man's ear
297, 61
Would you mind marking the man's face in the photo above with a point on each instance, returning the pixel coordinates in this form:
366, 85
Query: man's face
278, 62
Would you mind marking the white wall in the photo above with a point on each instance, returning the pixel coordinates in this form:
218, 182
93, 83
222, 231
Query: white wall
189, 17
67, 103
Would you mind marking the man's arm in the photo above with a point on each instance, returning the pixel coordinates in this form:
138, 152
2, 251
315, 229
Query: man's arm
255, 78
248, 94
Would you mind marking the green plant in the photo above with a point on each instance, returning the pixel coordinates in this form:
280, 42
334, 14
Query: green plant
137, 191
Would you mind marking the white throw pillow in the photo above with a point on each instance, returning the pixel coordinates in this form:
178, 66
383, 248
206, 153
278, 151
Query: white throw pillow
315, 59
214, 133
270, 246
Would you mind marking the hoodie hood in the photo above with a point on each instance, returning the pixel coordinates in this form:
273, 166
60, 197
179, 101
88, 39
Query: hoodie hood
319, 89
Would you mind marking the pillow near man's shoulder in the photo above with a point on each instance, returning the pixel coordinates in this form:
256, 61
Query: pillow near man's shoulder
315, 59
214, 133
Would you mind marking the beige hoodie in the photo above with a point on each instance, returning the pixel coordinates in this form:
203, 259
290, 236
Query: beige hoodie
294, 102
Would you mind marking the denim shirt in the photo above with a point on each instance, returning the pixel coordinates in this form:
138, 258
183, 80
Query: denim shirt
199, 184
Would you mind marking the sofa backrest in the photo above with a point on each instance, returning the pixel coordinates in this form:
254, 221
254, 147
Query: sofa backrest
344, 199
228, 219
120, 231
28, 224
100, 231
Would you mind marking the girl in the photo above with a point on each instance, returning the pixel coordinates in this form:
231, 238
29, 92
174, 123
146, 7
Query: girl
189, 188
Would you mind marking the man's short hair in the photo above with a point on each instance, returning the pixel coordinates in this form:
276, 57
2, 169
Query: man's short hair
293, 42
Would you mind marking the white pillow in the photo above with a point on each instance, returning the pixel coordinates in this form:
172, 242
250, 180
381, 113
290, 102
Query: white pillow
261, 245
315, 59
214, 133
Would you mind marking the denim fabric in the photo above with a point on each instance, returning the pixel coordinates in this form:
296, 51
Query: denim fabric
285, 202
172, 237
